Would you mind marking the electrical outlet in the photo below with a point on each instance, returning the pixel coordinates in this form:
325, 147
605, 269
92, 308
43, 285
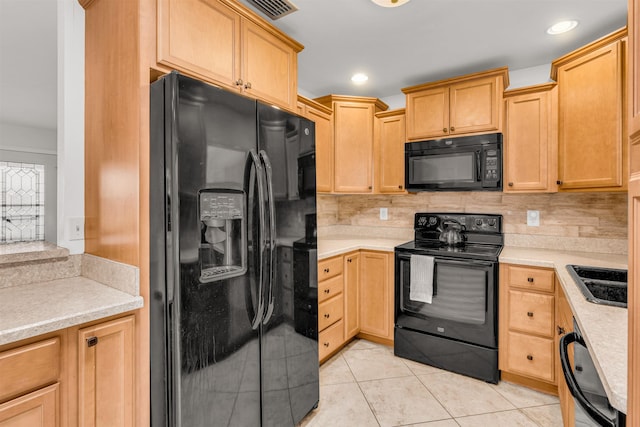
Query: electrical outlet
533, 218
384, 214
75, 227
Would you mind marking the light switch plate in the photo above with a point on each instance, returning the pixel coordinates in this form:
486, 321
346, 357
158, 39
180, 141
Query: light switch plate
384, 214
75, 228
533, 218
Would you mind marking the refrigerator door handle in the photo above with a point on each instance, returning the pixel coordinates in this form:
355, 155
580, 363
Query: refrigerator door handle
254, 161
272, 233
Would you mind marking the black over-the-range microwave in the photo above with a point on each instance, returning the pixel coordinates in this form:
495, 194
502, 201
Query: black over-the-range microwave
466, 163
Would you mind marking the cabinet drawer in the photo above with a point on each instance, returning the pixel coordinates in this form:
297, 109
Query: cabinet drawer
330, 339
531, 356
530, 278
330, 288
36, 409
531, 312
29, 367
330, 311
329, 267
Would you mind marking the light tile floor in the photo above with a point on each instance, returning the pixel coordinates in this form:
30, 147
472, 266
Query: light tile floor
366, 385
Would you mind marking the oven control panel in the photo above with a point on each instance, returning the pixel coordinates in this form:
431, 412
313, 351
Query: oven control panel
482, 223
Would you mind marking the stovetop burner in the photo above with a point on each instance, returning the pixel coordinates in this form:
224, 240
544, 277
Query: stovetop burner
483, 238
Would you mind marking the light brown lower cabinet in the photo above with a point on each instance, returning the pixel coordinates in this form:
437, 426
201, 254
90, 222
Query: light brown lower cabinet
79, 376
36, 409
355, 298
564, 319
527, 352
105, 374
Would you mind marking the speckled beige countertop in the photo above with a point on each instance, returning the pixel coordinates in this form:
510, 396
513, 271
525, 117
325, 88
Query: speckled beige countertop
604, 328
44, 289
328, 247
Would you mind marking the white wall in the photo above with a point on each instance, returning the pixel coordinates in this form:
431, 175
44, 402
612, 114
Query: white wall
529, 76
70, 120
16, 137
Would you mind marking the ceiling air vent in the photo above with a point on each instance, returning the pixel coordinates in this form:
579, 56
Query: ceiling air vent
275, 9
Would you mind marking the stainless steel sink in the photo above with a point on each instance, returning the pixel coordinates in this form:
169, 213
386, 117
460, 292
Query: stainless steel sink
606, 286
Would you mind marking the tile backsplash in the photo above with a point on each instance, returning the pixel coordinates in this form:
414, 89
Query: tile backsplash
575, 218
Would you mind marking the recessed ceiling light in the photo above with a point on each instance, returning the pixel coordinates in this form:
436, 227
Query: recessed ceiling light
359, 78
390, 3
562, 27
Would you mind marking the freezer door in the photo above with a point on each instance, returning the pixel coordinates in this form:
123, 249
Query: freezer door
212, 256
290, 387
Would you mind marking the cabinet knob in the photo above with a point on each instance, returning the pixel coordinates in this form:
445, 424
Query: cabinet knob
369, 187
326, 315
326, 270
349, 260
529, 357
452, 129
444, 130
248, 85
239, 82
326, 344
530, 279
326, 291
400, 187
559, 182
560, 330
92, 341
510, 184
530, 313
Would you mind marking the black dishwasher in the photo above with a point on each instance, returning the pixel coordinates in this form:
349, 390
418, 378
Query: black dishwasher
591, 402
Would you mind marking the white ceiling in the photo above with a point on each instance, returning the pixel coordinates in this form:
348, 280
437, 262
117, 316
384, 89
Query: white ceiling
422, 41
427, 40
28, 62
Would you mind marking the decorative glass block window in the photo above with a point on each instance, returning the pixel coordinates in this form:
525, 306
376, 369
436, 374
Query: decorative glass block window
22, 191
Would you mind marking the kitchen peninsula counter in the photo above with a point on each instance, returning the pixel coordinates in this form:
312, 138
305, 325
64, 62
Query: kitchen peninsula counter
44, 289
603, 327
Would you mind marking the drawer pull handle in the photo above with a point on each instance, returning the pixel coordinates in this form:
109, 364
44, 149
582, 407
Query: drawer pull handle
92, 341
326, 291
326, 270
326, 315
326, 344
530, 279
560, 330
530, 313
529, 357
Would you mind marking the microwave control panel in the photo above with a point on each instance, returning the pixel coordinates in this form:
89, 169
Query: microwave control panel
491, 166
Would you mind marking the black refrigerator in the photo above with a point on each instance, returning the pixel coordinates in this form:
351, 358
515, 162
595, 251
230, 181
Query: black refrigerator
233, 313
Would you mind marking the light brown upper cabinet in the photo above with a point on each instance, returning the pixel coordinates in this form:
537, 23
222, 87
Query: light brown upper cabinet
465, 105
388, 150
353, 141
530, 139
323, 118
221, 42
592, 132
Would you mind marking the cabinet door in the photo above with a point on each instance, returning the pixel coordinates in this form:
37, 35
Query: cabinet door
105, 373
376, 294
351, 295
428, 114
269, 66
475, 106
389, 153
200, 37
324, 149
591, 120
564, 318
37, 409
353, 138
530, 143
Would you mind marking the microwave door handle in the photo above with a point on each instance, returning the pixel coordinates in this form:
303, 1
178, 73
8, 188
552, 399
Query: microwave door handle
574, 388
478, 166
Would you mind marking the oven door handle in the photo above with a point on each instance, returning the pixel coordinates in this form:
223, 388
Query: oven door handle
464, 262
574, 388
